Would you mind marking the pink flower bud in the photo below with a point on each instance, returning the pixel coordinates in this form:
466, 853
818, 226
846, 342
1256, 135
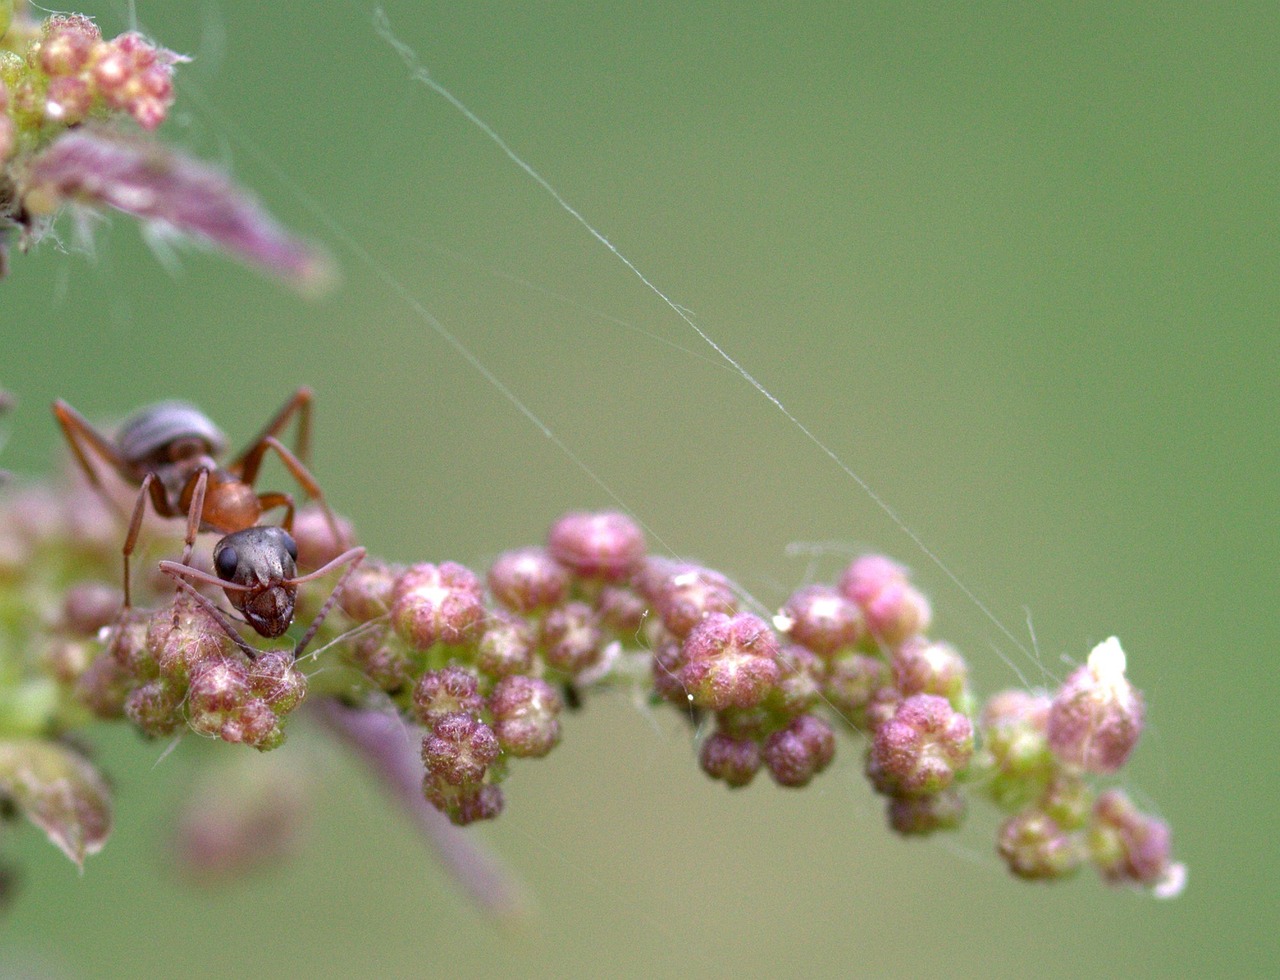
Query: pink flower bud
1130, 847
527, 580
684, 595
367, 594
820, 618
730, 662
441, 693
894, 609
850, 685
922, 666
526, 714
800, 751
734, 761
1097, 715
440, 604
921, 749
1035, 847
571, 639
507, 646
606, 546
919, 816
459, 749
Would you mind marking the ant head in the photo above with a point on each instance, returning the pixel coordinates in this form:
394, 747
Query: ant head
261, 561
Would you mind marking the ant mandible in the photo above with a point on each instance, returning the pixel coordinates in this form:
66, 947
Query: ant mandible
169, 451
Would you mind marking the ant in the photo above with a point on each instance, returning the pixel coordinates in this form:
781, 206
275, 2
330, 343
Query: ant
169, 451
258, 573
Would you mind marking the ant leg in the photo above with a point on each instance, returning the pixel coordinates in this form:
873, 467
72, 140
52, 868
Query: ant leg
177, 573
194, 514
299, 473
247, 463
269, 501
352, 560
84, 440
193, 528
150, 488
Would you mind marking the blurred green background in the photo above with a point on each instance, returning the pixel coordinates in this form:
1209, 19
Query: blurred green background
1015, 264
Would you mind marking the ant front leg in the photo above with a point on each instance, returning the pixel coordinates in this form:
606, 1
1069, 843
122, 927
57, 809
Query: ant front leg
253, 461
179, 574
352, 560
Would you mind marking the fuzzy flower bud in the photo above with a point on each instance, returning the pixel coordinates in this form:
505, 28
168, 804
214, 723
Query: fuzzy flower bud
922, 666
314, 537
218, 691
820, 618
734, 761
155, 708
275, 678
527, 580
894, 609
441, 693
850, 686
1129, 847
621, 611
730, 662
684, 595
800, 751
104, 687
525, 714
507, 646
183, 637
1035, 847
799, 682
607, 546
437, 604
381, 660
1015, 746
66, 43
919, 816
89, 606
920, 750
220, 702
463, 804
367, 593
668, 658
571, 637
1096, 716
459, 749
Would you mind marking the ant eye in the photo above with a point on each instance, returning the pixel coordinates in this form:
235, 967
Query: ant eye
291, 546
226, 561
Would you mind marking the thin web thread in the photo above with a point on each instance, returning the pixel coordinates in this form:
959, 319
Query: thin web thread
419, 73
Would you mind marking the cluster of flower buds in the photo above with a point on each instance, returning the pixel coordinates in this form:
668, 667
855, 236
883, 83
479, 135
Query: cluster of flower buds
62, 72
484, 666
69, 102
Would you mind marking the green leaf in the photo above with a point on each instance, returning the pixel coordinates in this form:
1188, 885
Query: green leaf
59, 791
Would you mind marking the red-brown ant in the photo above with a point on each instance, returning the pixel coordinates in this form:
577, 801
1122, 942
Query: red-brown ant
169, 451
